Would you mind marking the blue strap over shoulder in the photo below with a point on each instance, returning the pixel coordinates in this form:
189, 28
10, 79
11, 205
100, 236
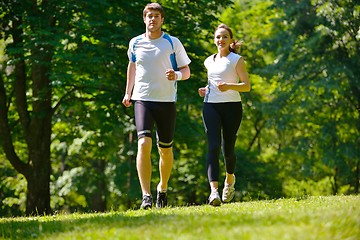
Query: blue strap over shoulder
133, 56
172, 55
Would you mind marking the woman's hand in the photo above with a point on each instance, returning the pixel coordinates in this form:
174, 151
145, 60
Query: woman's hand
223, 86
202, 91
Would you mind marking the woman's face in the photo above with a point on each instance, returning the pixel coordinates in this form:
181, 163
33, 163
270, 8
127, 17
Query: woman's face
222, 39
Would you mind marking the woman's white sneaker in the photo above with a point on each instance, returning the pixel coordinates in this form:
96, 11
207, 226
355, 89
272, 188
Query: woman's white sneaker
214, 199
228, 192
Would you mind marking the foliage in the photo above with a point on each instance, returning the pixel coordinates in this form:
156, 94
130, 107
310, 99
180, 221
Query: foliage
293, 52
299, 135
317, 70
307, 218
259, 173
91, 130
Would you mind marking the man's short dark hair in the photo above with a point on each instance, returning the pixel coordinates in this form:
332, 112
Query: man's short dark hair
153, 6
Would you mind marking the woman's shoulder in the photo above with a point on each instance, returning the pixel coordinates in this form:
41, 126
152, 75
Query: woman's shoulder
211, 57
233, 55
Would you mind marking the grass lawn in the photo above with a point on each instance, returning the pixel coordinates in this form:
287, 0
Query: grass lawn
333, 217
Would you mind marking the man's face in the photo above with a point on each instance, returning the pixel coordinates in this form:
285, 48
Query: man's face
153, 20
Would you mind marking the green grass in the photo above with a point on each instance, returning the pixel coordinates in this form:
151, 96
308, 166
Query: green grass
334, 217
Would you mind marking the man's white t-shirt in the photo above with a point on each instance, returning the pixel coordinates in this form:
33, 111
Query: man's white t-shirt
152, 59
223, 70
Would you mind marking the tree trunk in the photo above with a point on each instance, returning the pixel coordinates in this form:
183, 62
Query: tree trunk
37, 133
38, 180
38, 188
98, 199
33, 98
335, 186
39, 138
357, 178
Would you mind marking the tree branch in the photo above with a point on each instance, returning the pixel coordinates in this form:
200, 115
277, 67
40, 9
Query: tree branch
5, 134
20, 79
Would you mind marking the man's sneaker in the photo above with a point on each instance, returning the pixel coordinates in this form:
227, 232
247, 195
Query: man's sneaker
228, 192
146, 202
161, 199
214, 198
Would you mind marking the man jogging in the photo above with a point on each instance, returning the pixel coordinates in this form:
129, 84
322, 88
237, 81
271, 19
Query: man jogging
157, 62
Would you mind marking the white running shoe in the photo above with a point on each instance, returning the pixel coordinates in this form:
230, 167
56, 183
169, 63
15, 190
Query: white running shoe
214, 199
228, 192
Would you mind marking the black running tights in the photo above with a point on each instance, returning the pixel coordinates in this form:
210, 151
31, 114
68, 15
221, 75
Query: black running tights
222, 122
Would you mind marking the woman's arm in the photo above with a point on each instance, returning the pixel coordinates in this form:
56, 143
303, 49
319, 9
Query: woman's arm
244, 85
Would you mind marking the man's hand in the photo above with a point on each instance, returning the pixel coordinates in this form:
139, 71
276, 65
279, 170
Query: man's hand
171, 75
127, 100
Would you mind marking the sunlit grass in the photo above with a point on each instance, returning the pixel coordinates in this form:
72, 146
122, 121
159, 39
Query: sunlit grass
335, 217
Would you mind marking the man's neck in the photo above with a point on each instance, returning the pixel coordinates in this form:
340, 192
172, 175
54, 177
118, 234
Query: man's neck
153, 35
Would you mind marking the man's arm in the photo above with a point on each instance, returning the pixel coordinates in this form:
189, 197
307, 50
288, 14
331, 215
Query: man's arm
184, 73
130, 81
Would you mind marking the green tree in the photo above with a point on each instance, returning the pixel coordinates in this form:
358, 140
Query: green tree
34, 118
54, 57
305, 98
259, 172
62, 79
318, 95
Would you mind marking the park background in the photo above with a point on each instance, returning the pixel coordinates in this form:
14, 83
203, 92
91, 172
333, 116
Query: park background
68, 144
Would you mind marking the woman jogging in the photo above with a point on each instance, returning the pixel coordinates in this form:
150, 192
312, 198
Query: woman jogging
222, 110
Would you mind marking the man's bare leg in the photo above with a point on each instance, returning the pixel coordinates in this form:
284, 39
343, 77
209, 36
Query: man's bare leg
165, 167
143, 164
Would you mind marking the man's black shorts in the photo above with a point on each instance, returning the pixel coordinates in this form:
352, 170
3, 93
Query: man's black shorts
162, 114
